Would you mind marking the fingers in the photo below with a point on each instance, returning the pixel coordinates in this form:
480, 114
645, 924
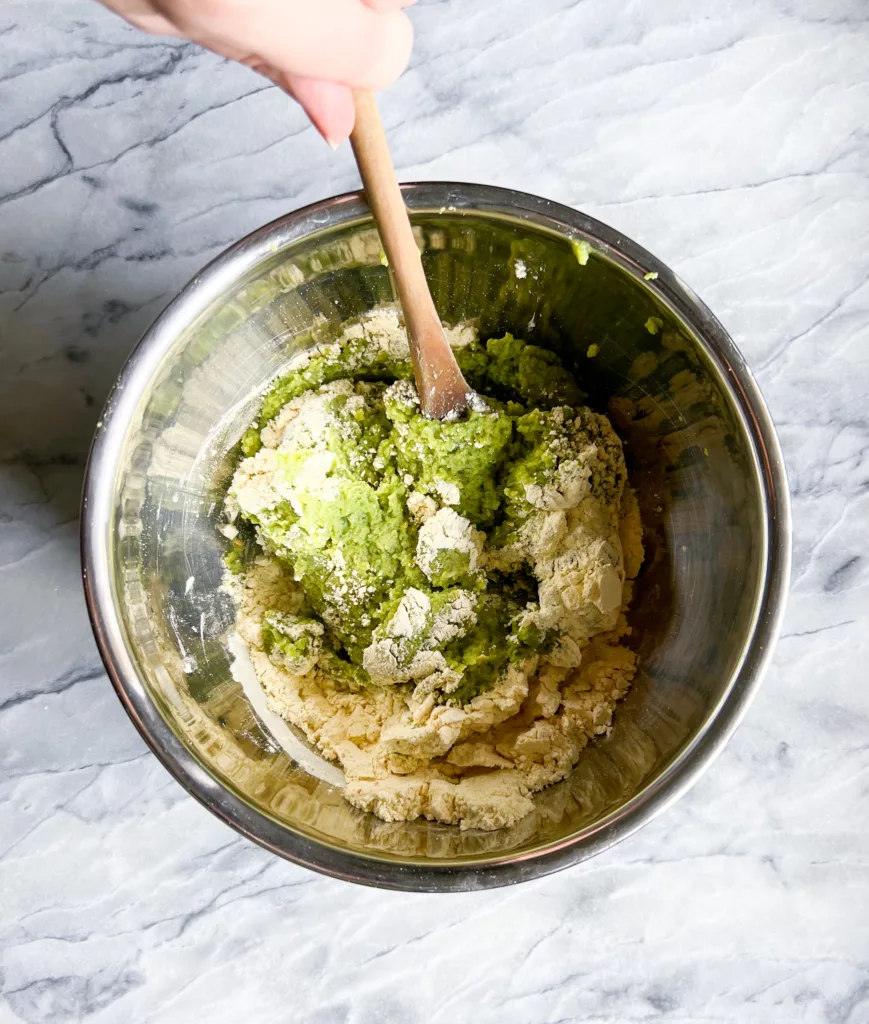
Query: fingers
316, 50
141, 13
383, 6
336, 40
329, 105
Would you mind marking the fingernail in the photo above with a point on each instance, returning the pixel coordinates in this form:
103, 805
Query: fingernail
332, 143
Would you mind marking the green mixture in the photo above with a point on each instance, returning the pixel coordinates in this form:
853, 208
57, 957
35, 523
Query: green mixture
430, 551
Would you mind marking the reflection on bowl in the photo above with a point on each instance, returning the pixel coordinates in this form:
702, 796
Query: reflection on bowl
702, 455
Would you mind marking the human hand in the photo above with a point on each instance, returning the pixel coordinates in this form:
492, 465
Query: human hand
316, 50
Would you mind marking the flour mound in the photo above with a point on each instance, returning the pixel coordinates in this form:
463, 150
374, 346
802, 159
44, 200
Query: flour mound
440, 608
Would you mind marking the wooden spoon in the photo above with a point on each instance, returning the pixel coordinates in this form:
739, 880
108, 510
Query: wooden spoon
443, 392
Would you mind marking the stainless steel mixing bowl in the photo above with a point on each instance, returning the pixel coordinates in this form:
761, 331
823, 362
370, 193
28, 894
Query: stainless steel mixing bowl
701, 451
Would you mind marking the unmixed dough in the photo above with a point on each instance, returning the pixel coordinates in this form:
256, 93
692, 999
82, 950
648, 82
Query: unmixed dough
438, 606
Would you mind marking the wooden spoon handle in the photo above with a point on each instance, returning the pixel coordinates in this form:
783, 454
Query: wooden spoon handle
440, 383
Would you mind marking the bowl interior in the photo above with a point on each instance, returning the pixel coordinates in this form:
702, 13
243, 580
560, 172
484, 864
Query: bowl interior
690, 458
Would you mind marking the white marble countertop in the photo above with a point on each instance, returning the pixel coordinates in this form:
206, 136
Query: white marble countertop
730, 139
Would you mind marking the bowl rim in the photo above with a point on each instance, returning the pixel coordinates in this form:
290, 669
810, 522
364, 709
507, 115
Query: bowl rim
370, 869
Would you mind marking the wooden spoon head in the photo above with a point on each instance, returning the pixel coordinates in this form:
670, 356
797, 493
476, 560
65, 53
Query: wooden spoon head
443, 391
449, 400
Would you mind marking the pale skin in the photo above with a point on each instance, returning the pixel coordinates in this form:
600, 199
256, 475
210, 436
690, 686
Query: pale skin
316, 50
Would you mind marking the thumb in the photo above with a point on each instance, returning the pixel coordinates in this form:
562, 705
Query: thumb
329, 105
